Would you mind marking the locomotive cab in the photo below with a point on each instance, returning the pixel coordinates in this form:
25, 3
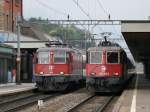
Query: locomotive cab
55, 62
106, 67
100, 63
57, 67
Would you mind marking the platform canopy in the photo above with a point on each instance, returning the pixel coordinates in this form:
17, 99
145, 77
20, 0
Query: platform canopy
137, 36
25, 41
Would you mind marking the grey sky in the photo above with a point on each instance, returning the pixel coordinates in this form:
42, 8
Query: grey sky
118, 9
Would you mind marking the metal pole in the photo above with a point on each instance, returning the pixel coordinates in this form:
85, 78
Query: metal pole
18, 52
85, 39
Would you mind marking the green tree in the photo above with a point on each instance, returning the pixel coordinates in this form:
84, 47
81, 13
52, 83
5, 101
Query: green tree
70, 34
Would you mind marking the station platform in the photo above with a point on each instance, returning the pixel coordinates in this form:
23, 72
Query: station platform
6, 89
136, 98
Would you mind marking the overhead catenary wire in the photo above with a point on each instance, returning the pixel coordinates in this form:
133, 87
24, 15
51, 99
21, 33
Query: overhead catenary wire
87, 14
102, 7
54, 10
51, 8
83, 11
59, 12
77, 3
107, 14
104, 10
62, 13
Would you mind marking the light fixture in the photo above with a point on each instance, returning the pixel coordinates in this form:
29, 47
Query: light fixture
93, 73
62, 73
41, 73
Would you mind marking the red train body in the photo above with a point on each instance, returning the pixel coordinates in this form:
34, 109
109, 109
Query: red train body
106, 68
57, 68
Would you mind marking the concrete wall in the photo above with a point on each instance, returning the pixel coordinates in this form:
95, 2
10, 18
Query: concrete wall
135, 27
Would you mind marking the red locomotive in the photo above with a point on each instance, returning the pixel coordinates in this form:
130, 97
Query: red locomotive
107, 67
57, 67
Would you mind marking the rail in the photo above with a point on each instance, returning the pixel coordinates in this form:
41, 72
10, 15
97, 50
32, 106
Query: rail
84, 104
15, 104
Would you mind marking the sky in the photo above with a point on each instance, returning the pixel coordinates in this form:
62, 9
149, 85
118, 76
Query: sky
97, 9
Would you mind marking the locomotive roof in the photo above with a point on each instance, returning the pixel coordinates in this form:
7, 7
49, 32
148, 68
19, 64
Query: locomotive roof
109, 48
54, 48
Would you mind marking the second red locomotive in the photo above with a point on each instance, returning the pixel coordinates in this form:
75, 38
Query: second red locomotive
107, 67
57, 67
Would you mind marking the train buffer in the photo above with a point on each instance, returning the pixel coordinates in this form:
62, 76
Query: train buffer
8, 89
136, 97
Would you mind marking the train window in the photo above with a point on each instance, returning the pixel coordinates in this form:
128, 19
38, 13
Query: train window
112, 57
59, 57
43, 58
95, 57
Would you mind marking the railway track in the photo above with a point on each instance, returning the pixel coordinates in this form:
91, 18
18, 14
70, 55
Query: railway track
12, 103
78, 101
92, 104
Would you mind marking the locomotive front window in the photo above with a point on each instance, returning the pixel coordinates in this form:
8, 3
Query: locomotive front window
112, 57
95, 57
59, 57
43, 58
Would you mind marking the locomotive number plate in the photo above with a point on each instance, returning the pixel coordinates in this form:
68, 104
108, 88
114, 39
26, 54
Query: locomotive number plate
51, 68
103, 73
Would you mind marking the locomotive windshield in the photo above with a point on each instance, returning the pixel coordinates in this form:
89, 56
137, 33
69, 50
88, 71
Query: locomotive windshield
43, 58
95, 57
59, 57
112, 57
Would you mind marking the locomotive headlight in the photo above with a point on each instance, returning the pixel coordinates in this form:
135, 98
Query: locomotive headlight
103, 68
62, 73
116, 74
93, 73
41, 73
